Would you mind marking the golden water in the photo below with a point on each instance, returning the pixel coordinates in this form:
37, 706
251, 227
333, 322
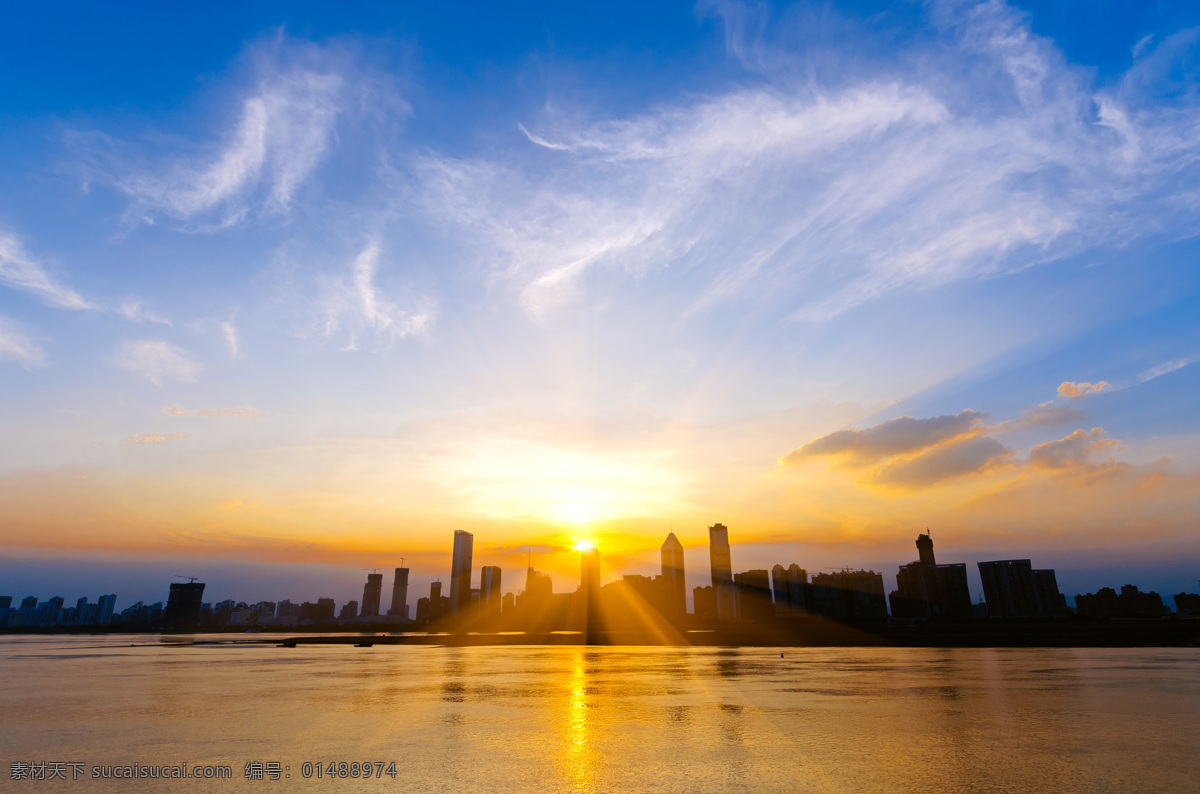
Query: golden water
606, 719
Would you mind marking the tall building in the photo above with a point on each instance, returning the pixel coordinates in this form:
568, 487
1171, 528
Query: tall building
104, 609
753, 595
780, 589
371, 594
850, 595
183, 605
925, 548
489, 589
589, 572
1052, 602
926, 590
460, 571
400, 594
1008, 586
673, 575
718, 555
798, 589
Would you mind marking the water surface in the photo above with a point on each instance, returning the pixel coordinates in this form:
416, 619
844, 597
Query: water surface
608, 719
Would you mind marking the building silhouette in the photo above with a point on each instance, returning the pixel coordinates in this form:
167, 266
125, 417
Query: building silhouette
928, 591
400, 594
753, 591
1130, 603
851, 596
1014, 590
675, 586
722, 571
183, 606
460, 571
489, 590
371, 594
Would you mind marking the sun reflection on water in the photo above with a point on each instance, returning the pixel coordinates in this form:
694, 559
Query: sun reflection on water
577, 755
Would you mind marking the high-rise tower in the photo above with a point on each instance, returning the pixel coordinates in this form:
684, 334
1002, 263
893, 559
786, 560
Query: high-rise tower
400, 594
489, 589
371, 593
460, 571
673, 575
718, 554
925, 548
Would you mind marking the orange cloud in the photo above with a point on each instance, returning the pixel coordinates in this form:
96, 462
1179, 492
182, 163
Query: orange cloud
152, 438
901, 436
954, 458
1073, 450
235, 413
1082, 389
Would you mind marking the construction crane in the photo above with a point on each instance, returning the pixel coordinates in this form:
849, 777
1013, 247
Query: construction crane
191, 579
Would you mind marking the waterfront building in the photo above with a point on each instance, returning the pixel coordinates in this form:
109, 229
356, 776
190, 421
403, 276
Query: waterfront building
399, 606
349, 611
753, 593
104, 609
850, 596
183, 605
704, 602
719, 558
489, 589
675, 594
460, 571
371, 594
1009, 588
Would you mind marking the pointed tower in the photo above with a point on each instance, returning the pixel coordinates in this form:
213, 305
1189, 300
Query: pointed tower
673, 576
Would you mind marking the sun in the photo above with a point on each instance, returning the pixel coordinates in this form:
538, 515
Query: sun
584, 545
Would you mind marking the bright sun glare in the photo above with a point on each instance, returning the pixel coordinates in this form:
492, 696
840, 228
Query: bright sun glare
583, 545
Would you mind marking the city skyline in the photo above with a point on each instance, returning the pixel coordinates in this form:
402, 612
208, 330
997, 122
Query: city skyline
297, 292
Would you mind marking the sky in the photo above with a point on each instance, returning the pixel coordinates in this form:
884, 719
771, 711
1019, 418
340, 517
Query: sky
290, 291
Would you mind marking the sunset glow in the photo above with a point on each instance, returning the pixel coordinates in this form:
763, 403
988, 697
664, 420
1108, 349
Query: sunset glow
310, 297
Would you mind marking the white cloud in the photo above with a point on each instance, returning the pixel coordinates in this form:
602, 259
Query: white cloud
21, 271
983, 155
133, 311
16, 344
284, 128
156, 361
356, 305
229, 330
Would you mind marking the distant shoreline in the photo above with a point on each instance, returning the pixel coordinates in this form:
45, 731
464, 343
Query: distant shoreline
1167, 633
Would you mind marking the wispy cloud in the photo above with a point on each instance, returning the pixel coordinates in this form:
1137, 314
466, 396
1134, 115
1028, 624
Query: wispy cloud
157, 361
229, 330
21, 271
283, 126
152, 438
354, 304
230, 413
16, 344
981, 154
133, 311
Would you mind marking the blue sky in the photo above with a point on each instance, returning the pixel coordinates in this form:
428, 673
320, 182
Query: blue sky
287, 284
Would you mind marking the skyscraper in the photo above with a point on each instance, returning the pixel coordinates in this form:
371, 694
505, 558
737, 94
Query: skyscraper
371, 594
183, 605
460, 571
673, 575
781, 589
400, 594
718, 554
489, 589
1009, 588
925, 548
589, 572
104, 609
